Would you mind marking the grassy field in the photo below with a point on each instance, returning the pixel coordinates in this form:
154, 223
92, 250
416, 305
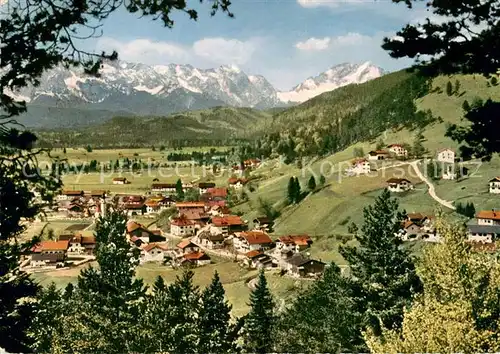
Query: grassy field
233, 277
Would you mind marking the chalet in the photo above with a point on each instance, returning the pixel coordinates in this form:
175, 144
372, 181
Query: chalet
204, 186
216, 193
69, 195
495, 185
218, 204
134, 209
410, 230
378, 155
228, 223
187, 246
397, 150
54, 247
52, 260
163, 188
257, 260
209, 240
157, 204
359, 167
120, 180
485, 228
198, 216
140, 231
237, 183
153, 252
446, 155
399, 185
255, 240
189, 205
294, 243
195, 259
300, 266
82, 245
251, 163
263, 223
182, 226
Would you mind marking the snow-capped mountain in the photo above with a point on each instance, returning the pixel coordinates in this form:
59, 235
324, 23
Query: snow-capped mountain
138, 89
335, 77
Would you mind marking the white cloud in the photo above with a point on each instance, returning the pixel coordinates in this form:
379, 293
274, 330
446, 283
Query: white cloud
225, 51
314, 44
317, 44
145, 50
204, 52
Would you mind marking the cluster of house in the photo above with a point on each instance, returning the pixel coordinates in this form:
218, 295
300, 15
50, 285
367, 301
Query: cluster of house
74, 203
362, 166
69, 248
418, 226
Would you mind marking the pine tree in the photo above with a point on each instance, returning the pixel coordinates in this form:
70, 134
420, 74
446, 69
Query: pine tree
380, 144
449, 88
64, 150
384, 279
311, 184
457, 87
466, 106
418, 147
183, 306
297, 190
214, 320
107, 302
322, 319
322, 180
179, 190
291, 190
259, 323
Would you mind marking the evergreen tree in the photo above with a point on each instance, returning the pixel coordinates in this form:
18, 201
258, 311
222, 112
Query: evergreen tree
214, 320
179, 189
380, 145
291, 190
457, 87
449, 88
322, 180
297, 190
88, 148
64, 150
311, 184
260, 321
104, 310
418, 148
384, 279
470, 210
466, 106
322, 319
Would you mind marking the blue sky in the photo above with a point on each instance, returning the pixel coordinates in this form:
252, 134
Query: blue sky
284, 40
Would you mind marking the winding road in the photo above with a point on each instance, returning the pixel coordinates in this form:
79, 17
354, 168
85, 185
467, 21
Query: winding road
432, 190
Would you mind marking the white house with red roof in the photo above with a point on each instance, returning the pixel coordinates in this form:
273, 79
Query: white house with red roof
294, 243
398, 150
359, 167
153, 252
397, 185
182, 226
254, 240
227, 223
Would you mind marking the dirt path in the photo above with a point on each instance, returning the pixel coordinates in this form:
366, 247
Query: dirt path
432, 190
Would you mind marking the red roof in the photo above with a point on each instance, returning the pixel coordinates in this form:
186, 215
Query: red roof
54, 245
190, 204
185, 243
153, 245
218, 203
488, 214
181, 221
228, 220
299, 240
252, 254
234, 180
195, 256
220, 192
395, 145
256, 237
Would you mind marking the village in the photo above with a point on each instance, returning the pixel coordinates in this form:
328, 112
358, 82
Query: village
206, 227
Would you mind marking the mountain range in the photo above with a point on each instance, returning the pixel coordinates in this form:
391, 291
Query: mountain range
69, 98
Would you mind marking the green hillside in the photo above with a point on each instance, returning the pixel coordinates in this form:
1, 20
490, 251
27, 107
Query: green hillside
332, 208
220, 123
